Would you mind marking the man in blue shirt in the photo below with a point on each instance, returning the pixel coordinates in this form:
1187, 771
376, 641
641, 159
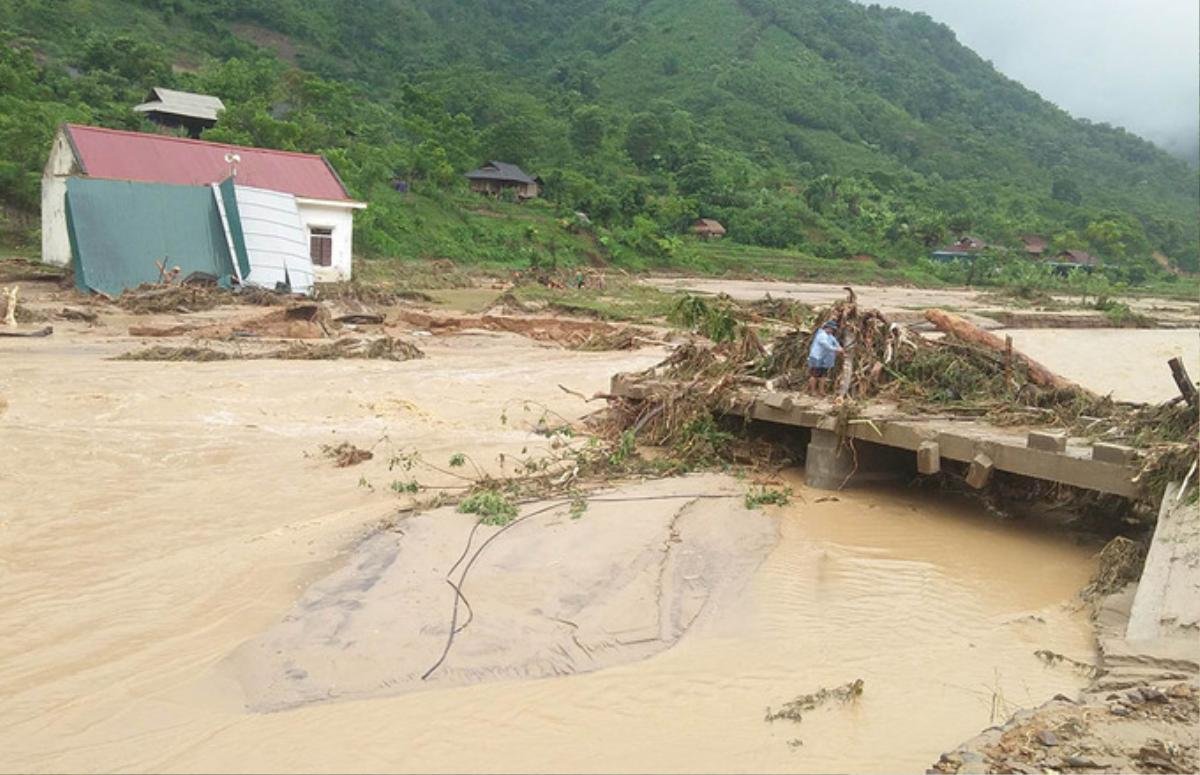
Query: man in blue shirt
822, 356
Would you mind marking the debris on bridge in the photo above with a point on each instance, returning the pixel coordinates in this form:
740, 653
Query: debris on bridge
966, 373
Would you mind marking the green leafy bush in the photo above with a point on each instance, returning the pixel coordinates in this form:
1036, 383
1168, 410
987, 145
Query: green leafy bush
492, 508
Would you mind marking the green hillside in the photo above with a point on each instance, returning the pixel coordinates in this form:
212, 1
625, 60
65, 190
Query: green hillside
822, 127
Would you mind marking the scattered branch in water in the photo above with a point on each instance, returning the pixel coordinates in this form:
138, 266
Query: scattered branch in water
795, 710
346, 454
384, 348
767, 496
1053, 658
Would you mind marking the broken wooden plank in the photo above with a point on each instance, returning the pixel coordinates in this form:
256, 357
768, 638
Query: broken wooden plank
1187, 388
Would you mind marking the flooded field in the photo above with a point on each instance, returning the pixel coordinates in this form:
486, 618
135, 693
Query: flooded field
157, 518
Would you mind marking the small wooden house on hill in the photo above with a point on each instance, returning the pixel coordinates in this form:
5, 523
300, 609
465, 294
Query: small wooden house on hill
707, 228
495, 177
172, 109
1034, 246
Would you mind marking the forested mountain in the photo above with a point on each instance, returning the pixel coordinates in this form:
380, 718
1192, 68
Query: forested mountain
825, 126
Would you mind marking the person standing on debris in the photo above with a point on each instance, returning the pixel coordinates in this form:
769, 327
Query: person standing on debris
822, 356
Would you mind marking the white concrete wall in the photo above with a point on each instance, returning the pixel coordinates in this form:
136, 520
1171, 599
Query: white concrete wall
339, 218
56, 241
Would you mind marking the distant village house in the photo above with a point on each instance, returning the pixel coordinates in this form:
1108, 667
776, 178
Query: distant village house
120, 201
173, 109
1077, 258
1034, 246
708, 229
964, 248
496, 177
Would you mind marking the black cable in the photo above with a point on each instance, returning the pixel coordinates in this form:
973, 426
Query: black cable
454, 629
458, 593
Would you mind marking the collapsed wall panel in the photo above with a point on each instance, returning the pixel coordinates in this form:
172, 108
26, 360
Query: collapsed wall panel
120, 229
268, 237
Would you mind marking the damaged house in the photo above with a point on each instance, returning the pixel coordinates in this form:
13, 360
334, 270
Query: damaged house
119, 207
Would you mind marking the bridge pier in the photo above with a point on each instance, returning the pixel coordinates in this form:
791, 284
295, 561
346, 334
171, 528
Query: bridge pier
833, 462
828, 464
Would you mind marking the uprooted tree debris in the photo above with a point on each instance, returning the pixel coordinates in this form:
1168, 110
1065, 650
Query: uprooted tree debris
572, 334
968, 373
384, 349
153, 299
1119, 563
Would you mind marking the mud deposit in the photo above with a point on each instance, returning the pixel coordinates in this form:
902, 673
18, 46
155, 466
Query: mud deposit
553, 595
161, 523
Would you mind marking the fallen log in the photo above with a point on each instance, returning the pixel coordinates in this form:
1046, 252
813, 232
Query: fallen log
163, 331
47, 331
972, 334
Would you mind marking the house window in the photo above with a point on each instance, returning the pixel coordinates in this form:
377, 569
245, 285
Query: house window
320, 246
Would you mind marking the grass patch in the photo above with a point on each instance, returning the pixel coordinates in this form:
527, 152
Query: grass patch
767, 496
492, 508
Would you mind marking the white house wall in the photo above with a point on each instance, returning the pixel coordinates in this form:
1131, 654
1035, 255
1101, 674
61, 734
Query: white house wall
339, 218
56, 240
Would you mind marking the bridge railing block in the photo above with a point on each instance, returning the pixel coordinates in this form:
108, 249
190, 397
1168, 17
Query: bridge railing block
1047, 441
1114, 453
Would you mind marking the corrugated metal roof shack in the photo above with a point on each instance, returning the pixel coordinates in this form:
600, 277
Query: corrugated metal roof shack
311, 235
171, 108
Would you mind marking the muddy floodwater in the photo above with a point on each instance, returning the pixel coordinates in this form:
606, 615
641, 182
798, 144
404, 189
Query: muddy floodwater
1129, 363
158, 519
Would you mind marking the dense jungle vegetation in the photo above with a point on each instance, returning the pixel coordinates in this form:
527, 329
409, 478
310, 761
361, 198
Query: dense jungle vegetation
823, 127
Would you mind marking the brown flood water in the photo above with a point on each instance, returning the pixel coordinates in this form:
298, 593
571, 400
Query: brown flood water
936, 607
155, 518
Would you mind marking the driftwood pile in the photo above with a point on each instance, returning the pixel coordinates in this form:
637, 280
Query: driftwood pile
967, 372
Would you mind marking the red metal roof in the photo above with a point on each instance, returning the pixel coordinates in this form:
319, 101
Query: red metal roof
117, 155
